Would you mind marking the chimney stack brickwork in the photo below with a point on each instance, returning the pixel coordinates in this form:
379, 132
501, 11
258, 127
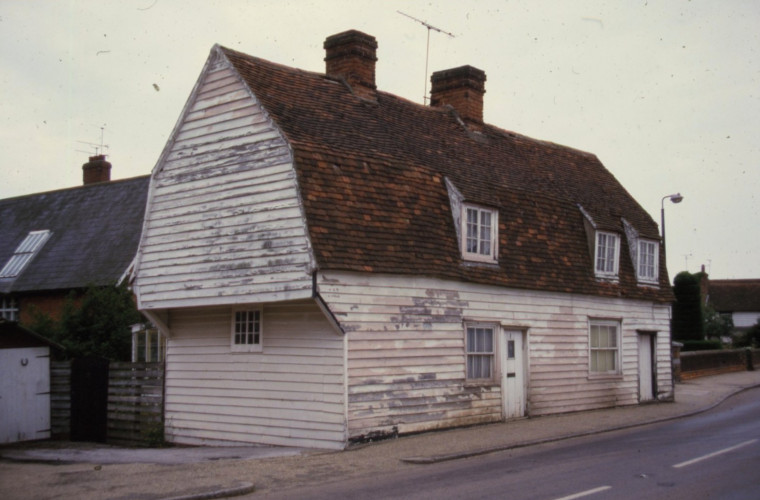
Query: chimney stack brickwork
462, 88
96, 170
351, 55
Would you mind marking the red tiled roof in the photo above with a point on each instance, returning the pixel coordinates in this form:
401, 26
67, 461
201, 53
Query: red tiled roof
735, 295
372, 177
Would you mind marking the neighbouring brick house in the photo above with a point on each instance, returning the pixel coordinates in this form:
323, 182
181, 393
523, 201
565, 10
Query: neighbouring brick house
331, 262
54, 242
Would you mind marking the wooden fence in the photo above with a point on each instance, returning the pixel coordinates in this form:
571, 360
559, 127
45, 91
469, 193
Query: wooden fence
135, 402
60, 399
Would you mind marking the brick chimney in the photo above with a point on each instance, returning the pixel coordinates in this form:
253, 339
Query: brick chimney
351, 55
96, 170
462, 88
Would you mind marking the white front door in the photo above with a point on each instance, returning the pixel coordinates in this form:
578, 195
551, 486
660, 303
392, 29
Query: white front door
646, 377
513, 374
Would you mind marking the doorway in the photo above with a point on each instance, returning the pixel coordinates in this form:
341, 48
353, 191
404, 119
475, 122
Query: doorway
513, 374
647, 373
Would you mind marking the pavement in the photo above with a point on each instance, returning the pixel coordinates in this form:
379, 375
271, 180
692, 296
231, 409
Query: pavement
48, 470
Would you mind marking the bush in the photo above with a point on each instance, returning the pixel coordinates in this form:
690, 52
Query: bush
701, 345
751, 338
96, 323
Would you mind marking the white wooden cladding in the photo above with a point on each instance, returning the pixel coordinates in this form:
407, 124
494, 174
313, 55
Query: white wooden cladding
406, 362
224, 224
290, 394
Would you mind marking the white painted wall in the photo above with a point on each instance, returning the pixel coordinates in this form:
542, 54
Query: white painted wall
224, 223
406, 361
24, 394
292, 393
745, 319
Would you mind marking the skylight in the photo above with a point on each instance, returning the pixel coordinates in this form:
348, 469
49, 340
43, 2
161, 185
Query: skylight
24, 253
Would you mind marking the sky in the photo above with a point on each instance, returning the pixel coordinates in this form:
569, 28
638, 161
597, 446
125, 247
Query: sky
666, 93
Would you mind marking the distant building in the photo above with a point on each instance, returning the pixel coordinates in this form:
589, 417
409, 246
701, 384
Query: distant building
737, 299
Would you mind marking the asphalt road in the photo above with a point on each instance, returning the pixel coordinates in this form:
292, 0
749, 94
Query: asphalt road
711, 455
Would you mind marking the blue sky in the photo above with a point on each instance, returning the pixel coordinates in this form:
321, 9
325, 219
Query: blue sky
665, 93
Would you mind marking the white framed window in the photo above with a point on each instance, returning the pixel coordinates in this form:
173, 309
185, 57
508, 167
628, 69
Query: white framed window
247, 331
479, 351
607, 254
604, 347
480, 233
27, 249
8, 308
647, 265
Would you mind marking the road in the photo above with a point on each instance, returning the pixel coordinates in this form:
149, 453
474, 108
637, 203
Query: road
711, 455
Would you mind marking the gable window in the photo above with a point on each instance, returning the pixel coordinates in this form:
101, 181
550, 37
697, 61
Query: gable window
24, 253
246, 330
479, 347
607, 252
648, 259
604, 350
8, 308
480, 233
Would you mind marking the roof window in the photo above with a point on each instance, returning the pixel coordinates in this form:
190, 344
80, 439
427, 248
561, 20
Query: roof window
24, 253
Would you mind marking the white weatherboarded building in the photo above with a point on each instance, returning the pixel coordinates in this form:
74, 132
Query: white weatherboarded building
333, 263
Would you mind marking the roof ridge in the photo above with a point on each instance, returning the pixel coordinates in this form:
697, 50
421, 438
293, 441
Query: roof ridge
72, 188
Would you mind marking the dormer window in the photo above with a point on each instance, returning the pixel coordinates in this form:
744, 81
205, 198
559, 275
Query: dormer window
607, 255
480, 235
647, 263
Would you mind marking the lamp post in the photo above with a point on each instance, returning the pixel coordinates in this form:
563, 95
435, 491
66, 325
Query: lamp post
675, 198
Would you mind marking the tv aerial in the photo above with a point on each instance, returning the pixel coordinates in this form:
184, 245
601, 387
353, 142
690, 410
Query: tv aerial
100, 149
427, 49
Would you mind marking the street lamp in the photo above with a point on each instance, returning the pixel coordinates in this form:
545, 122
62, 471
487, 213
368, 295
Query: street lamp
675, 198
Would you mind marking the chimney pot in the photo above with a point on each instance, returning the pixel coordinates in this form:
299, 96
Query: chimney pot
96, 170
351, 55
462, 88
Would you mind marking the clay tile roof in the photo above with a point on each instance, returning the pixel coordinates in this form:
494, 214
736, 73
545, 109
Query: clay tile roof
735, 295
372, 176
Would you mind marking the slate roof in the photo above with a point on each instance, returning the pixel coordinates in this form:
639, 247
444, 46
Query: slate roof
372, 179
95, 230
735, 295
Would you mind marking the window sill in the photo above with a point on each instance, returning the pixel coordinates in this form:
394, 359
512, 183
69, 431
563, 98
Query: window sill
605, 376
484, 382
256, 350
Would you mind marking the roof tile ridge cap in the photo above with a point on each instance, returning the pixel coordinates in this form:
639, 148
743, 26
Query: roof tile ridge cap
260, 60
73, 188
516, 135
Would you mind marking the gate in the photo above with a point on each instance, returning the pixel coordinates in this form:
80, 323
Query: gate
89, 399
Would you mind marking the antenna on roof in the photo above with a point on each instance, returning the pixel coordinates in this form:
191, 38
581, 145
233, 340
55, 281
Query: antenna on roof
427, 50
99, 148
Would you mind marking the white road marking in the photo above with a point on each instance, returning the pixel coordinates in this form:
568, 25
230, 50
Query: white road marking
720, 452
586, 493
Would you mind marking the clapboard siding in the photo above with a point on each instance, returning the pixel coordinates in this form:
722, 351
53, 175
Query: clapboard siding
224, 222
406, 362
292, 393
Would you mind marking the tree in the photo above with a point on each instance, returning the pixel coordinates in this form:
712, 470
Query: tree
750, 338
94, 323
717, 326
687, 310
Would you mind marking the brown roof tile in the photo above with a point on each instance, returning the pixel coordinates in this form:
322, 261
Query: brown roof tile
372, 176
